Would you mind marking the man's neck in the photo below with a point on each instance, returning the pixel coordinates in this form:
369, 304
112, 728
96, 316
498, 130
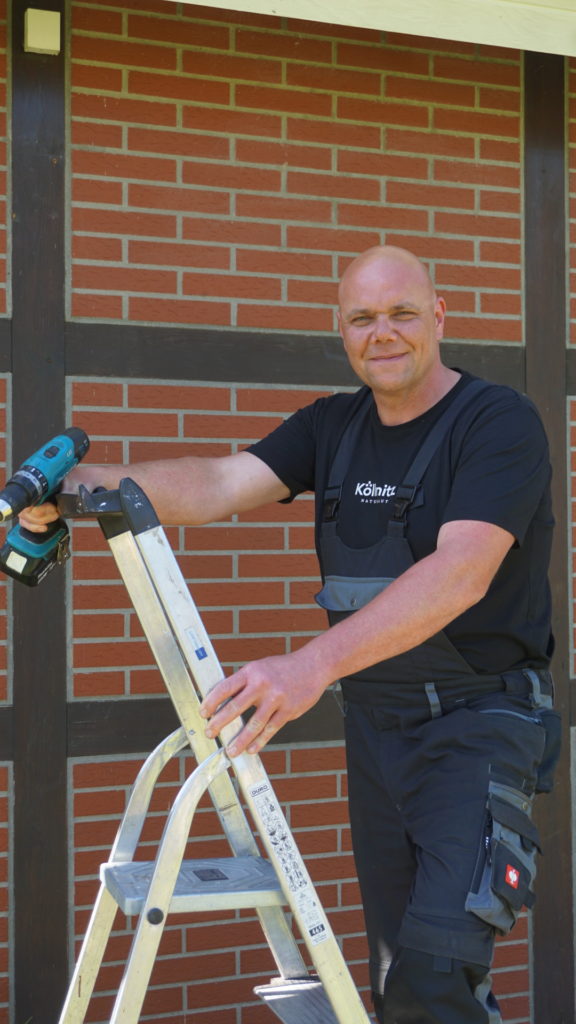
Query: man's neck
394, 410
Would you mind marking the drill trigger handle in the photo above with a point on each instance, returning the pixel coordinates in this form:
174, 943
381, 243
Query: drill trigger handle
42, 538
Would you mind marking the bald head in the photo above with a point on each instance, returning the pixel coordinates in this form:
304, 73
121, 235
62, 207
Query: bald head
391, 322
385, 261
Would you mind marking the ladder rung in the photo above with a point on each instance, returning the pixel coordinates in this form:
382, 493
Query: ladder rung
211, 884
302, 1001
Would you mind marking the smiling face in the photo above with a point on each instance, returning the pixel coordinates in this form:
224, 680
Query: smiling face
391, 322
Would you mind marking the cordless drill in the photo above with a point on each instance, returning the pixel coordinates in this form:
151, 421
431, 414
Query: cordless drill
28, 556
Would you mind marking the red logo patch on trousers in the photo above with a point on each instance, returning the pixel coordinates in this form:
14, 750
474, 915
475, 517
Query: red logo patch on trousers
512, 876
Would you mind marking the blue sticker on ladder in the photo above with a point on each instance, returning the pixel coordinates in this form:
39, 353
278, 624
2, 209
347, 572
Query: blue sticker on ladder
200, 653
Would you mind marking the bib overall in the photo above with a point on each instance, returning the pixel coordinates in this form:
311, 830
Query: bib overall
443, 764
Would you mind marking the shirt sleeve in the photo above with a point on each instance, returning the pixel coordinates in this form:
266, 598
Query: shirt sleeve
290, 450
502, 471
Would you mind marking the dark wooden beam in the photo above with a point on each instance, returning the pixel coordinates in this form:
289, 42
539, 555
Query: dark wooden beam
5, 346
545, 324
180, 353
175, 353
570, 373
6, 734
107, 727
39, 641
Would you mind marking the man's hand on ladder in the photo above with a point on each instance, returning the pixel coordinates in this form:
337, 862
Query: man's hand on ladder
279, 689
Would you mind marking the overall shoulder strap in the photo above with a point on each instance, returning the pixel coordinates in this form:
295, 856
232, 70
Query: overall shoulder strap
344, 450
406, 491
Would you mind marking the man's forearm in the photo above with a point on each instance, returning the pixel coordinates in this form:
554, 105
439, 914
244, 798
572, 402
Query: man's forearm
282, 688
174, 487
418, 604
411, 610
192, 490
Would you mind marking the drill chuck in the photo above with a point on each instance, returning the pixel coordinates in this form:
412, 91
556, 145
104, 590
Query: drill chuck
26, 487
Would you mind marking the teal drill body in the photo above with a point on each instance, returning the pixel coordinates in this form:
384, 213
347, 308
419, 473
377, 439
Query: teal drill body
26, 556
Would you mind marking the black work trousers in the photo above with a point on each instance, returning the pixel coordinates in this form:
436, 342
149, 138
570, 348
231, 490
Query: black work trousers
426, 781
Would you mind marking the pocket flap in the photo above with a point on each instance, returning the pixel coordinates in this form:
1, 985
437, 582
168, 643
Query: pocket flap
511, 878
513, 818
348, 593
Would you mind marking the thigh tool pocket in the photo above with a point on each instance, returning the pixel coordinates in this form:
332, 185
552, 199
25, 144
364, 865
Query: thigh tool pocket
506, 865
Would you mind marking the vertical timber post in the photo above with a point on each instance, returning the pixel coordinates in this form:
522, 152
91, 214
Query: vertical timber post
39, 641
545, 333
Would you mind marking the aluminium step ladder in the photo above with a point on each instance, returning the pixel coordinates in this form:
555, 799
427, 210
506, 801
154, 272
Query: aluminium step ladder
274, 885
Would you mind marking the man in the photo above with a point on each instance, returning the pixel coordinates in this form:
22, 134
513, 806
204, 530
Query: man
433, 528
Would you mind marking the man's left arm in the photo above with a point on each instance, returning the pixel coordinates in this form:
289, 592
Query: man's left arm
421, 602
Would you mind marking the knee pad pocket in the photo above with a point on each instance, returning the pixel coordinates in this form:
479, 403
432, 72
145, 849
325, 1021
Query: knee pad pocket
506, 865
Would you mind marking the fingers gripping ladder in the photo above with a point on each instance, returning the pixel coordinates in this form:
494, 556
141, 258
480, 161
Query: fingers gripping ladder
171, 884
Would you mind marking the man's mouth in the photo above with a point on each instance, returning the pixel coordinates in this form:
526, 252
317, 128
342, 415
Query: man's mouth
387, 358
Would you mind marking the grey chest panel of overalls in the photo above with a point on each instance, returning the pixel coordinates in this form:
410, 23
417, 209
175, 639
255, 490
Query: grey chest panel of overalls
354, 576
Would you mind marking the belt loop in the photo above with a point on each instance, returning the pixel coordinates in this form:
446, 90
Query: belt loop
433, 700
539, 699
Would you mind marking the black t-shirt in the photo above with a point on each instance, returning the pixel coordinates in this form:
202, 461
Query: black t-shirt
493, 466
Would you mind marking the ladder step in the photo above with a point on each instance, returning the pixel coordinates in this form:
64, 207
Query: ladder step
298, 1002
212, 884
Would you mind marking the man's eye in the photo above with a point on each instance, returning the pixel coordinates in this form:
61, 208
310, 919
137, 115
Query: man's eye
358, 321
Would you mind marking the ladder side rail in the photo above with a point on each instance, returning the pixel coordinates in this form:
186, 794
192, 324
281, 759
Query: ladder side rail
134, 984
300, 893
179, 684
266, 812
128, 835
90, 958
150, 610
104, 911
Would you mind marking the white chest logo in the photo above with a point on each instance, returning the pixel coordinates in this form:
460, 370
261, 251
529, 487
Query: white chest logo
372, 493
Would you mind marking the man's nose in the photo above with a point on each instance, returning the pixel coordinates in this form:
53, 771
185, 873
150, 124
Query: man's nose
383, 328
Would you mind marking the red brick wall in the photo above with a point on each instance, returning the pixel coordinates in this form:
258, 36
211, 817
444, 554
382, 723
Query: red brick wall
253, 580
224, 168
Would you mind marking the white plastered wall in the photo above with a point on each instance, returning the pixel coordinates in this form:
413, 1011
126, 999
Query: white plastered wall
545, 26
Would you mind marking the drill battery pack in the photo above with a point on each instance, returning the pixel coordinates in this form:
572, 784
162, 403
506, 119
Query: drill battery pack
29, 557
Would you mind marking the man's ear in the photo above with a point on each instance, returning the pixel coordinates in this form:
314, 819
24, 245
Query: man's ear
440, 316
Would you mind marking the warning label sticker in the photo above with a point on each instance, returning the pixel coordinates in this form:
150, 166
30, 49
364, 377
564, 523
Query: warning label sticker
199, 649
289, 861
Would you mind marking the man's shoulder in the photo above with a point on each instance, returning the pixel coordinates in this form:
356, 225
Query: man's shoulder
500, 398
499, 418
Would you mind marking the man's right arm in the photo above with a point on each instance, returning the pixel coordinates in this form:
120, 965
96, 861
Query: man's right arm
187, 491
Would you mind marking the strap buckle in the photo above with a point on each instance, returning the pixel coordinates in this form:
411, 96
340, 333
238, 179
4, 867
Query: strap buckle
403, 498
332, 497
